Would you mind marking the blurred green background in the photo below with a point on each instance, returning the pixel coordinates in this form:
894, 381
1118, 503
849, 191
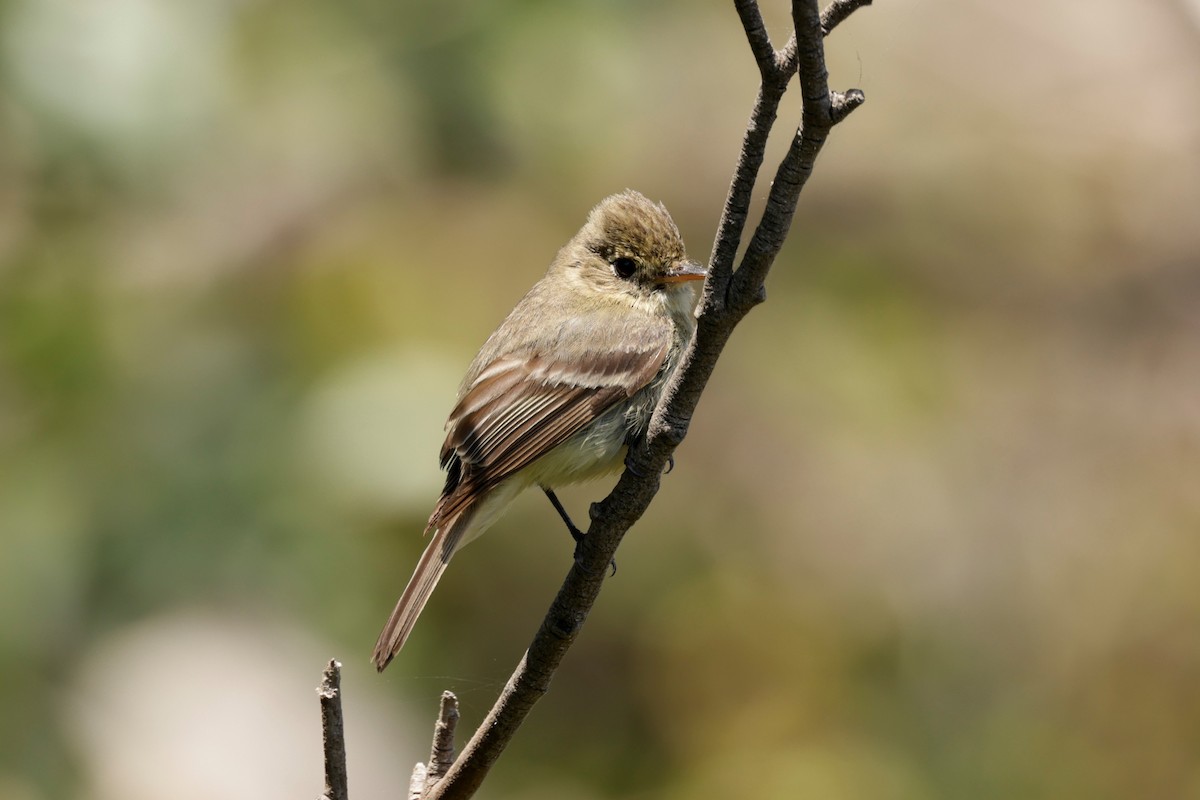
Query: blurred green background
935, 532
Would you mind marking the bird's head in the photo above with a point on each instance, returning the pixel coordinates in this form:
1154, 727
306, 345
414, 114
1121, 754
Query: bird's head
630, 244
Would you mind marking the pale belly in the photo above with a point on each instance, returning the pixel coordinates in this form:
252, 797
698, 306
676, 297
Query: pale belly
594, 453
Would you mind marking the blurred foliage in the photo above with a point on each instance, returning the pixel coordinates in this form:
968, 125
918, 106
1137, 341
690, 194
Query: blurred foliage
934, 533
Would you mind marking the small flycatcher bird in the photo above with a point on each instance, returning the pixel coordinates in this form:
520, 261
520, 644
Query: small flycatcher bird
565, 383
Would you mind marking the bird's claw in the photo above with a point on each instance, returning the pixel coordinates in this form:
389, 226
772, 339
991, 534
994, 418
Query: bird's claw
629, 465
579, 554
576, 534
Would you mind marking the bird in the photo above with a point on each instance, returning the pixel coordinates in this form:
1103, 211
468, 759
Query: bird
561, 388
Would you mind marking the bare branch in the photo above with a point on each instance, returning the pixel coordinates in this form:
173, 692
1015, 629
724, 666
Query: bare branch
841, 104
728, 296
766, 107
756, 35
833, 15
837, 11
741, 190
441, 755
333, 732
822, 110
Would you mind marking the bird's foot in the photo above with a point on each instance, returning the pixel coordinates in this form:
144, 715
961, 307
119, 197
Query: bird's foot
579, 553
629, 465
572, 528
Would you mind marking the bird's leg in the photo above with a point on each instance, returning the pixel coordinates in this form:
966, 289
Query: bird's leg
576, 534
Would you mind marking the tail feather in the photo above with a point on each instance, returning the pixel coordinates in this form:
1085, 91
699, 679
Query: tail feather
446, 540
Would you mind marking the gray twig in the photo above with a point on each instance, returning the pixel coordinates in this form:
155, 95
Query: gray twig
333, 733
441, 753
441, 756
837, 11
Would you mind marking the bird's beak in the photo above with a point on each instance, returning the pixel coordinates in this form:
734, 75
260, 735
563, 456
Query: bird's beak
685, 271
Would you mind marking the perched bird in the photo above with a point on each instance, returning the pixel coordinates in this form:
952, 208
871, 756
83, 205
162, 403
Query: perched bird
557, 392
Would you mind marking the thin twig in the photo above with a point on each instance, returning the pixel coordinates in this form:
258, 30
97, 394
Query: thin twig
333, 732
754, 144
741, 190
775, 75
797, 165
756, 35
441, 755
836, 12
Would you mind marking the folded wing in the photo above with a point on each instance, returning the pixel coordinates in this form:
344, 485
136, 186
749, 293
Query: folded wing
518, 409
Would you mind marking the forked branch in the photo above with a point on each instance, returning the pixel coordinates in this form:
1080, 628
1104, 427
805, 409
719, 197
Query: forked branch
729, 294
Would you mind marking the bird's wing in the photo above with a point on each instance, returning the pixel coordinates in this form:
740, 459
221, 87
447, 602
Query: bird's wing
520, 408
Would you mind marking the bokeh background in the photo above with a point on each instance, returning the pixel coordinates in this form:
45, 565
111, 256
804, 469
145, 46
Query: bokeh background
935, 532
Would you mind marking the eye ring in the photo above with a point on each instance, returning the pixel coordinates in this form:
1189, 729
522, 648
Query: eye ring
624, 267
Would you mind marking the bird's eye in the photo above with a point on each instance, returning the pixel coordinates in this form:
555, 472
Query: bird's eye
624, 267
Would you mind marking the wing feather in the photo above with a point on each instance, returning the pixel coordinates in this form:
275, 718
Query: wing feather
518, 409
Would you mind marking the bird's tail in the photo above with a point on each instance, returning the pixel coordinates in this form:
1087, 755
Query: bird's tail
446, 540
